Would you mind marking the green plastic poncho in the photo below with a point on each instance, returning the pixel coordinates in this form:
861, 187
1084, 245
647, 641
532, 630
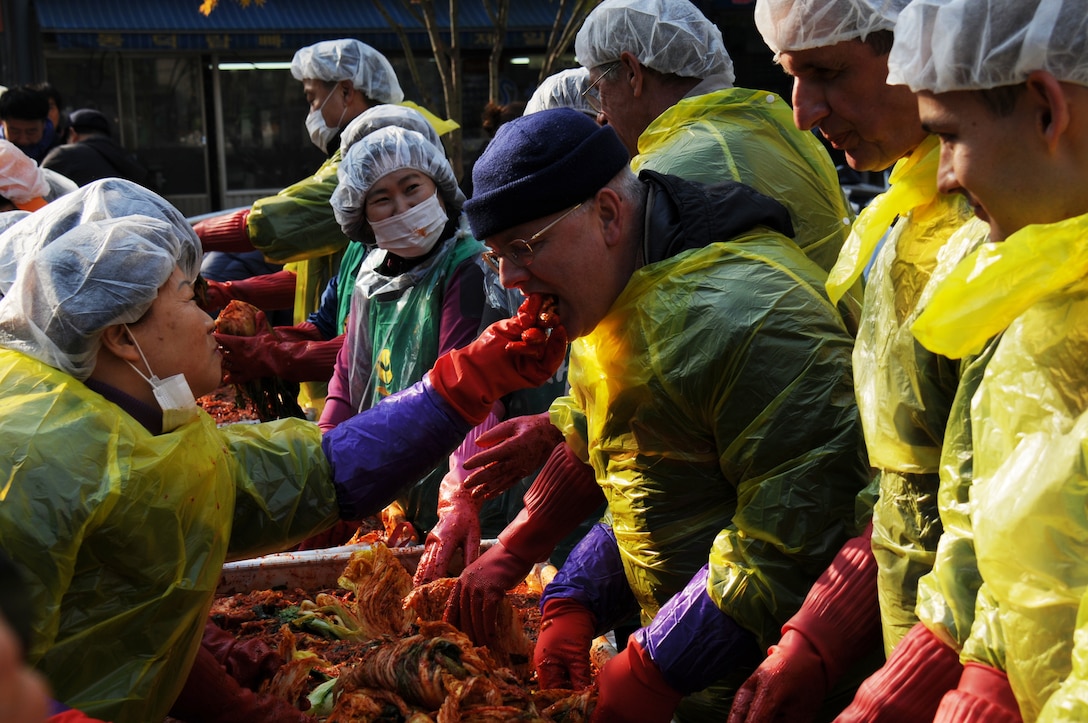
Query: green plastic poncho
1028, 503
749, 136
121, 535
715, 405
904, 392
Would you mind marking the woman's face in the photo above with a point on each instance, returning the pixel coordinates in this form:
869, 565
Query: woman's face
396, 192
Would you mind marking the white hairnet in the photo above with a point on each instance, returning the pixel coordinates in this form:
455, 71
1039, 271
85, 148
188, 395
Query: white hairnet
95, 275
379, 154
979, 44
381, 116
561, 90
348, 59
102, 199
790, 25
20, 178
670, 36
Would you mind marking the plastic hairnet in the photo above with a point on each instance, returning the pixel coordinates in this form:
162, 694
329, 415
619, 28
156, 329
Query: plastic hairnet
979, 44
20, 178
788, 25
381, 116
348, 59
670, 36
377, 155
103, 199
561, 90
98, 274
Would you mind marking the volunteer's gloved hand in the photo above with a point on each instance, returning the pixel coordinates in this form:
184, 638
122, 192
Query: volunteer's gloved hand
250, 662
246, 358
982, 696
211, 695
226, 232
561, 655
788, 685
265, 291
512, 354
838, 623
514, 449
562, 496
458, 528
630, 688
910, 685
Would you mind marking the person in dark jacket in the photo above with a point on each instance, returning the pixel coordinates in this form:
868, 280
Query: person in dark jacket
92, 153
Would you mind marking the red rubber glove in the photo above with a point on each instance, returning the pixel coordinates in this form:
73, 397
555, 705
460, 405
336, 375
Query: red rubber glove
838, 622
266, 291
69, 716
210, 695
630, 688
562, 496
561, 655
226, 232
910, 685
246, 358
250, 662
512, 354
514, 449
982, 696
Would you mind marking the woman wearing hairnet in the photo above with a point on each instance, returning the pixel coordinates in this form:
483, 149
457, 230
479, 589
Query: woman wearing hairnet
419, 294
122, 498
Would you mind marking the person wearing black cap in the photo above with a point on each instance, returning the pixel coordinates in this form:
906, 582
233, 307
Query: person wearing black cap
92, 153
711, 406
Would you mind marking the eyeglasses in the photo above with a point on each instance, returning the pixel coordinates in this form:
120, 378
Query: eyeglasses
591, 95
519, 252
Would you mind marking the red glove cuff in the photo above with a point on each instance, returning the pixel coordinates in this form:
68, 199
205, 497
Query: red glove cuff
983, 694
631, 689
266, 291
562, 496
841, 614
225, 233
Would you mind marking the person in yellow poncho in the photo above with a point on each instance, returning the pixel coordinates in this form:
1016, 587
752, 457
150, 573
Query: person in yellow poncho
1004, 85
661, 76
837, 52
122, 498
711, 406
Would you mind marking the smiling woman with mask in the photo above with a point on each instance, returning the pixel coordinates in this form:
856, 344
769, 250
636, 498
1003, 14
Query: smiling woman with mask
417, 295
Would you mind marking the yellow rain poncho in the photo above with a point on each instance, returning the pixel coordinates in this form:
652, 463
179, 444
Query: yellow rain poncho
1025, 515
122, 535
749, 136
904, 392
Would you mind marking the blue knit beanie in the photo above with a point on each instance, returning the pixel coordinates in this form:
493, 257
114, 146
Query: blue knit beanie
539, 164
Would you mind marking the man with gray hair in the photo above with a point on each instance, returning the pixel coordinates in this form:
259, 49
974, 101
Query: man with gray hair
1004, 85
837, 53
661, 77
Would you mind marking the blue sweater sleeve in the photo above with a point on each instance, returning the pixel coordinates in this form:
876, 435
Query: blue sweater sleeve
324, 318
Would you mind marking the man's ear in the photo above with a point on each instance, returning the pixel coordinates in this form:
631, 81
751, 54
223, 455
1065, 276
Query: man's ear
609, 208
631, 69
118, 340
1051, 107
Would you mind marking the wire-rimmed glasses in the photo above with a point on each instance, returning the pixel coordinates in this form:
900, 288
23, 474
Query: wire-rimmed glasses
591, 95
519, 252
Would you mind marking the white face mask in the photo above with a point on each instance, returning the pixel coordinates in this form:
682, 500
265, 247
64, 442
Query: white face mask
321, 134
173, 394
413, 233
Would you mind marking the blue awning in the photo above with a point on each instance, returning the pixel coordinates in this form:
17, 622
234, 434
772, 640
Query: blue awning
275, 25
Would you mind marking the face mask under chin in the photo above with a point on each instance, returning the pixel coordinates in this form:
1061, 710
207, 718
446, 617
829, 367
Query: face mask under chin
173, 394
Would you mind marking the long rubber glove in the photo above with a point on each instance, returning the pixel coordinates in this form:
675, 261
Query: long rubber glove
250, 662
246, 358
510, 355
561, 655
513, 450
562, 496
631, 689
982, 696
838, 622
210, 695
266, 291
458, 526
226, 232
909, 687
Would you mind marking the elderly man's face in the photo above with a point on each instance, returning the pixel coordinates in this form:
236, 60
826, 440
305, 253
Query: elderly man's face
569, 261
23, 132
842, 89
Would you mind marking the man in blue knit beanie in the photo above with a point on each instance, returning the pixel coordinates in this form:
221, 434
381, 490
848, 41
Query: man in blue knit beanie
710, 390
